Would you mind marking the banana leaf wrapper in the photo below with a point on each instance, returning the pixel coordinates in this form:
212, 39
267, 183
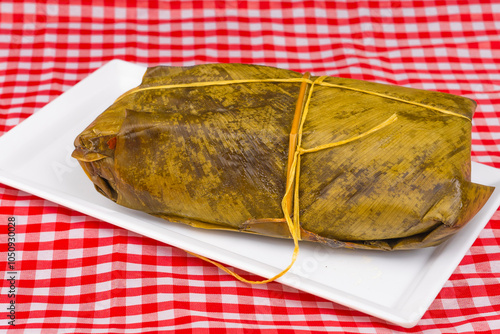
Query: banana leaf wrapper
215, 156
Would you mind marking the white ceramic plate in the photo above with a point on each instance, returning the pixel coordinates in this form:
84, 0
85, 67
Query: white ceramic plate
397, 287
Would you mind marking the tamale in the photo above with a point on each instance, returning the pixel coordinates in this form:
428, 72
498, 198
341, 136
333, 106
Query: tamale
372, 166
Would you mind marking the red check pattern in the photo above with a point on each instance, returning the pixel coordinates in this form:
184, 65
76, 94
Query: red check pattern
78, 274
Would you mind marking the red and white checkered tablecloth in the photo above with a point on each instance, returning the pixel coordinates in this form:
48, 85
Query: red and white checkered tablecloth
79, 274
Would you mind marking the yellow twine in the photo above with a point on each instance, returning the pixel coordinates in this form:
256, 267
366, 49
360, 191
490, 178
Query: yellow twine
288, 80
294, 173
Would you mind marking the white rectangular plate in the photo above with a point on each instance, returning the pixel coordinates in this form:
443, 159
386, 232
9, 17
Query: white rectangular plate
396, 286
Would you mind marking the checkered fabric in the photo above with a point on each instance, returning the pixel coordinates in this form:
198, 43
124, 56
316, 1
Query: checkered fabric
79, 274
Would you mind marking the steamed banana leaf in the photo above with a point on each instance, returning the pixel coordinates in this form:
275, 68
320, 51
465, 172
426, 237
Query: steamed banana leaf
215, 156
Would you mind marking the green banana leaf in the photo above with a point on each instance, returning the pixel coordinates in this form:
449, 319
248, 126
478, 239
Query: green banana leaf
215, 156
